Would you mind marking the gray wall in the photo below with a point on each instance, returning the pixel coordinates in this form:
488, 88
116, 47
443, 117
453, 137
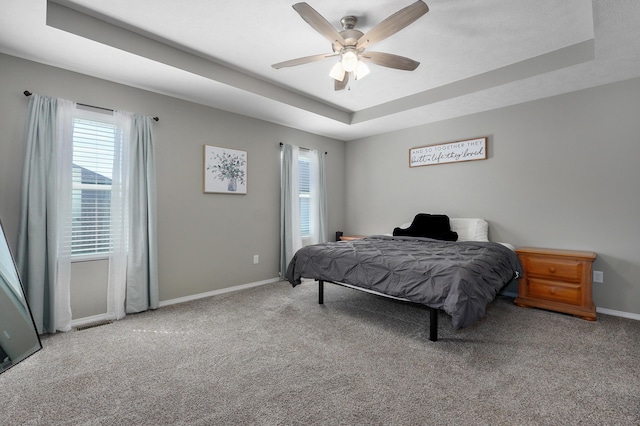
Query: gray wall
562, 173
206, 241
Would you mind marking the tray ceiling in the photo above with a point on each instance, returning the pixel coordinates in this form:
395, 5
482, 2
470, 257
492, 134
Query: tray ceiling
474, 55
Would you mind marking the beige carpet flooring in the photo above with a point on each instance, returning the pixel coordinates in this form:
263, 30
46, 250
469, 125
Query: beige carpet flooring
271, 355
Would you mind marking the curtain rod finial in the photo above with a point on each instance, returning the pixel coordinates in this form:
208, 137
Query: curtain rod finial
27, 93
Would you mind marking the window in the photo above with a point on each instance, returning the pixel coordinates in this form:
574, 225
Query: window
304, 190
93, 157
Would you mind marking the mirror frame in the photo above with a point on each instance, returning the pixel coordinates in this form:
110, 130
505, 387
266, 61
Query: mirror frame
26, 303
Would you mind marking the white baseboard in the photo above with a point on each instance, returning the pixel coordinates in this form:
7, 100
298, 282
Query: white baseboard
82, 321
618, 313
599, 310
103, 317
217, 292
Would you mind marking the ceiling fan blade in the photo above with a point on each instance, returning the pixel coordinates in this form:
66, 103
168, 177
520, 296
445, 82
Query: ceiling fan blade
340, 85
302, 61
319, 23
389, 60
393, 24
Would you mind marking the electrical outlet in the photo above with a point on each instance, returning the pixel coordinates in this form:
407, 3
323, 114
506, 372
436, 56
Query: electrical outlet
256, 259
598, 276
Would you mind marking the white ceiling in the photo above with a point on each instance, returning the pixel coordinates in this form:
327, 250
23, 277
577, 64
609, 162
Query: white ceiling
475, 55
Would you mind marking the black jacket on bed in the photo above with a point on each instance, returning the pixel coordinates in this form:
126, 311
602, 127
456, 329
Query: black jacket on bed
426, 225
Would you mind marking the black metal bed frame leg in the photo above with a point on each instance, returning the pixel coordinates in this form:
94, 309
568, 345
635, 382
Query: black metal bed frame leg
433, 324
433, 314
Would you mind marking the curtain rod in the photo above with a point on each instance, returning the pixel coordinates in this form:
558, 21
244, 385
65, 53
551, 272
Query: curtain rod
28, 93
306, 149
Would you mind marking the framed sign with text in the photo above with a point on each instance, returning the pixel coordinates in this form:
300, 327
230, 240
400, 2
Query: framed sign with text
449, 152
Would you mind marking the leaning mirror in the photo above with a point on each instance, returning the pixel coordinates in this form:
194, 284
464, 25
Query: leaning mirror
18, 336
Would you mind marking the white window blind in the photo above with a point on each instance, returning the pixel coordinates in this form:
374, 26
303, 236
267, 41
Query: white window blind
305, 194
93, 158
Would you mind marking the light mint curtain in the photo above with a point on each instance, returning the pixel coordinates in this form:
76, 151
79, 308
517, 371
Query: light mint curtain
142, 262
43, 254
119, 217
290, 235
311, 157
133, 266
322, 199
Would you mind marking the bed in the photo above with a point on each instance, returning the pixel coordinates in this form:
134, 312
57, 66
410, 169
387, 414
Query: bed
454, 268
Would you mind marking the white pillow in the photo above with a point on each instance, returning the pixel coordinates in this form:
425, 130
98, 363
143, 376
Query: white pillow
470, 229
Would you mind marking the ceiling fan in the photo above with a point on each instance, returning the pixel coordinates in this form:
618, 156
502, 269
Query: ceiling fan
350, 43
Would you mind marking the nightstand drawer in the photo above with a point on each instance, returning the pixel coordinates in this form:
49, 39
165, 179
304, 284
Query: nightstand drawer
556, 291
557, 269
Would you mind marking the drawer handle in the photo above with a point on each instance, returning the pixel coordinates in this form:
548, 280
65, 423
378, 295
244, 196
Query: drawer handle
552, 269
552, 290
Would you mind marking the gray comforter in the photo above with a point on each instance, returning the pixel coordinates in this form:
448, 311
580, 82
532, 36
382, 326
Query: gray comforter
460, 278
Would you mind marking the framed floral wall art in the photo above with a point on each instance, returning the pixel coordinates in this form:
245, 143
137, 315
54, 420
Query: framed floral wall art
225, 170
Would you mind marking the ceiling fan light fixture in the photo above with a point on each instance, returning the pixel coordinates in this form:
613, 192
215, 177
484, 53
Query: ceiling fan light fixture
362, 70
350, 43
349, 60
337, 72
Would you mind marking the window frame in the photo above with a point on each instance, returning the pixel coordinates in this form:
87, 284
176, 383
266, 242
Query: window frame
104, 119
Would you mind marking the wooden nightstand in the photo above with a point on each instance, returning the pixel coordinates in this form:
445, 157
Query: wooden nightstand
558, 280
351, 237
